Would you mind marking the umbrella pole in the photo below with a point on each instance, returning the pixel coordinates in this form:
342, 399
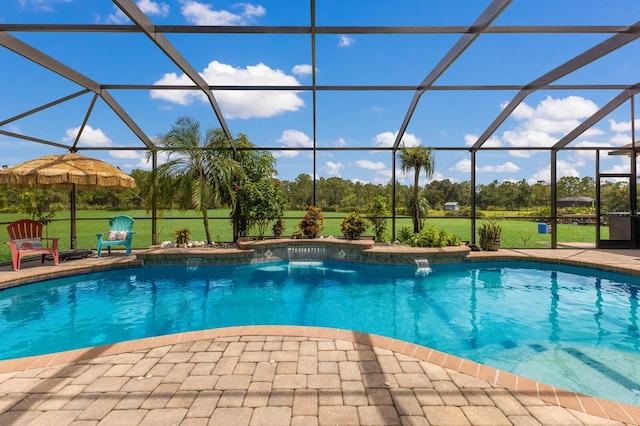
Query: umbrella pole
73, 217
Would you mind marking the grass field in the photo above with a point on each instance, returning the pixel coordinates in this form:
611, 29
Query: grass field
516, 233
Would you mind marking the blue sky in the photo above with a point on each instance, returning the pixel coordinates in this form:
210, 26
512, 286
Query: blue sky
443, 119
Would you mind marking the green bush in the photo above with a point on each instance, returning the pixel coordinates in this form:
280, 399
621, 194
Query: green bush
353, 226
404, 235
376, 213
432, 237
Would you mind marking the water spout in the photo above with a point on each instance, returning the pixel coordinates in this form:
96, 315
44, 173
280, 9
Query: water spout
423, 267
305, 260
193, 263
306, 254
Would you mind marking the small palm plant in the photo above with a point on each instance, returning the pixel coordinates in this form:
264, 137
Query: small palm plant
182, 236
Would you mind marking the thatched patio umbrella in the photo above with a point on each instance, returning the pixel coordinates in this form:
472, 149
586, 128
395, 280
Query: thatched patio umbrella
66, 172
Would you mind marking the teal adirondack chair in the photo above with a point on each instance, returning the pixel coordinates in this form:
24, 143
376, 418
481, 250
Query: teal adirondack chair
120, 234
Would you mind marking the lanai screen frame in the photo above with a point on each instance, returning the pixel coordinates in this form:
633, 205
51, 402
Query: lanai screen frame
619, 37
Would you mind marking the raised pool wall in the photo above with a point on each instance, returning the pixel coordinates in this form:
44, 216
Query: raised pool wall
273, 250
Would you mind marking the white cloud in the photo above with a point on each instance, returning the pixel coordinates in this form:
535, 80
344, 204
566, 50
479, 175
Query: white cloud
89, 137
250, 10
522, 111
464, 165
383, 177
370, 165
525, 138
385, 139
620, 139
493, 141
149, 7
293, 139
341, 142
197, 13
436, 176
543, 125
302, 69
623, 126
563, 168
41, 5
127, 155
507, 167
345, 40
333, 169
470, 140
619, 168
237, 103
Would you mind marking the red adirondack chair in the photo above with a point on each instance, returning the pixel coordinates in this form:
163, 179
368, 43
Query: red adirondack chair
26, 240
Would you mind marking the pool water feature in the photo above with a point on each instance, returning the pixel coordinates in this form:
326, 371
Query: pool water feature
570, 327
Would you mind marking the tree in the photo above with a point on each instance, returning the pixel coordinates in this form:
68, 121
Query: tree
376, 214
417, 158
258, 204
194, 176
300, 192
260, 197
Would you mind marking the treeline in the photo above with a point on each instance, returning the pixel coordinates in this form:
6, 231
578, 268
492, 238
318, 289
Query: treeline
337, 194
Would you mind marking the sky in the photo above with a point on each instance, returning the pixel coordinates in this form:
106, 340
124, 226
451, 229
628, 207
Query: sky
443, 119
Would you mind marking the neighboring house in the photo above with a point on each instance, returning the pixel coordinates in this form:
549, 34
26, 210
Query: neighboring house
451, 205
576, 202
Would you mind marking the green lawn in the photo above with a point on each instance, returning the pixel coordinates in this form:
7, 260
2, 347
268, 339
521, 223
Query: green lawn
516, 233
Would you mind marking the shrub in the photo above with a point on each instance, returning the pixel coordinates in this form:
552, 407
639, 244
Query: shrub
429, 237
312, 222
182, 236
375, 215
278, 228
353, 226
404, 235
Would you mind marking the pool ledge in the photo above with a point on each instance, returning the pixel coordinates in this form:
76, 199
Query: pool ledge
273, 250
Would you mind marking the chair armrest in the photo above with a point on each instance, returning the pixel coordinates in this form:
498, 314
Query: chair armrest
54, 241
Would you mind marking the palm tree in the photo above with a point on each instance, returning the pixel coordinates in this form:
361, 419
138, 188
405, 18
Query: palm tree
417, 158
193, 176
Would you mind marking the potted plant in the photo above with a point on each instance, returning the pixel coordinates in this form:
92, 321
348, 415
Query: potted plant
490, 234
353, 226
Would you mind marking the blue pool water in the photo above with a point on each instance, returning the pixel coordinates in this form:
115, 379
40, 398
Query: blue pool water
571, 327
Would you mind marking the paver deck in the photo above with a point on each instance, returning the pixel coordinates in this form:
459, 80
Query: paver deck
287, 375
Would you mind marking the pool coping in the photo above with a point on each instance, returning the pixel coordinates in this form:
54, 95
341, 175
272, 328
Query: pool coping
624, 261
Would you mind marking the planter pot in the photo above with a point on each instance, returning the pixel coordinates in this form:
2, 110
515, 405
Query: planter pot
493, 245
490, 244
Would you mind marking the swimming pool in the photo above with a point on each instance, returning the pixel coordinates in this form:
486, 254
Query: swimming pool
571, 327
